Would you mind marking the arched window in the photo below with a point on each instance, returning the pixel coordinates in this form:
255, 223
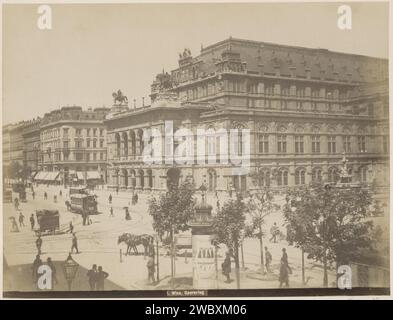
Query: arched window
300, 176
212, 180
133, 143
118, 146
333, 175
140, 141
282, 177
264, 178
142, 178
363, 174
316, 175
133, 179
150, 178
125, 144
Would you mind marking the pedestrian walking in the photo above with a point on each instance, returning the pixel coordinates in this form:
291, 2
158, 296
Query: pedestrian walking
226, 267
36, 264
274, 231
60, 193
111, 212
128, 216
55, 198
16, 203
151, 270
45, 195
110, 199
101, 276
21, 220
268, 259
117, 190
38, 244
33, 195
136, 198
218, 205
92, 275
32, 221
285, 270
74, 243
71, 227
14, 225
52, 267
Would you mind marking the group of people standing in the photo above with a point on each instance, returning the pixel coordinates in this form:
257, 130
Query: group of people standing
36, 266
96, 277
285, 269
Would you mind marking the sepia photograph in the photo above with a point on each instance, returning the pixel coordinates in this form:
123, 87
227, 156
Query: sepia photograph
173, 150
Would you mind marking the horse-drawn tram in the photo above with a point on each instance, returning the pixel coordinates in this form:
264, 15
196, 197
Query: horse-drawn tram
48, 221
82, 204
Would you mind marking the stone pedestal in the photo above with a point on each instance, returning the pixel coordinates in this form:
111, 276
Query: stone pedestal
204, 257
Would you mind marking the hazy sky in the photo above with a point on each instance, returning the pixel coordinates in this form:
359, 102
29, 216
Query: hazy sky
94, 50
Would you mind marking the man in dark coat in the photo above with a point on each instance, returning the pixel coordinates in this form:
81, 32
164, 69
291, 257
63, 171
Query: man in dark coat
38, 244
51, 265
285, 270
101, 276
268, 259
21, 220
36, 264
32, 221
110, 199
92, 275
74, 243
226, 267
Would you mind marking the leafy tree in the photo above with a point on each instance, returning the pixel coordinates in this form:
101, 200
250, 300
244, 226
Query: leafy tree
172, 210
261, 204
16, 170
229, 226
330, 223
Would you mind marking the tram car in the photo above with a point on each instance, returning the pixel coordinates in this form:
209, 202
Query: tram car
82, 204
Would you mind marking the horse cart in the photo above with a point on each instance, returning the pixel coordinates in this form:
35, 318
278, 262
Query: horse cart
48, 222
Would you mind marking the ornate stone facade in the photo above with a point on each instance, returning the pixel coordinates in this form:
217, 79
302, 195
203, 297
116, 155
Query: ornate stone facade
304, 108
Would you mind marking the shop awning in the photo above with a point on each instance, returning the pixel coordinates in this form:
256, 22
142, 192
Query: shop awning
80, 175
91, 175
40, 175
51, 176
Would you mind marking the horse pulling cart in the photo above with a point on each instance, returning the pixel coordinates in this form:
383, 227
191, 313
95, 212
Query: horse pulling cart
48, 221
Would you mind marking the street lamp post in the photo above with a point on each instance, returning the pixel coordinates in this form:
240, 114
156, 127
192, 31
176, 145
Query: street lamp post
70, 267
158, 256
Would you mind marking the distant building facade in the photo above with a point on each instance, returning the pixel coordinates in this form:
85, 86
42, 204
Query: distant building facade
73, 144
304, 109
31, 148
6, 145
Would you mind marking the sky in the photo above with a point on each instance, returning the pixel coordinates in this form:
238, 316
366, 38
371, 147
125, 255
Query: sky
93, 50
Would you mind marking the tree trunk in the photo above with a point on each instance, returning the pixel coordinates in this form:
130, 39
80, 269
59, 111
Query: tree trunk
242, 253
261, 249
325, 273
172, 259
303, 269
237, 265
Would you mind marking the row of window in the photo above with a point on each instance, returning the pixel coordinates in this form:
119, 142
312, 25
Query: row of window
263, 144
300, 176
89, 144
78, 156
88, 131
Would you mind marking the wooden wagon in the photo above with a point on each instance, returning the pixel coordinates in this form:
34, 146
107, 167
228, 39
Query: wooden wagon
48, 221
